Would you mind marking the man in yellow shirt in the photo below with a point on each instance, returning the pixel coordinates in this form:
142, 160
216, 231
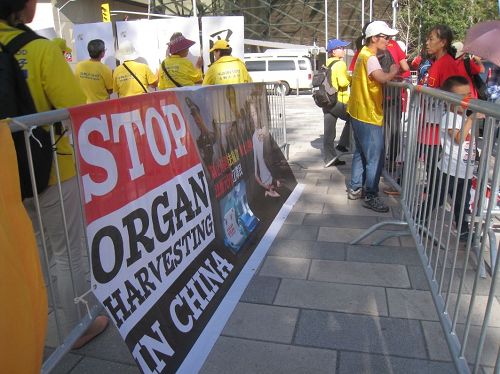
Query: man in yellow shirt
52, 84
96, 78
340, 80
131, 77
226, 69
367, 119
177, 70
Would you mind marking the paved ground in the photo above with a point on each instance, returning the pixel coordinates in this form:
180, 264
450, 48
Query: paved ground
317, 304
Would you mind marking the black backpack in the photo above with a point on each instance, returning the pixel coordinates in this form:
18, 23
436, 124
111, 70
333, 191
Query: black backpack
324, 94
479, 85
16, 100
385, 59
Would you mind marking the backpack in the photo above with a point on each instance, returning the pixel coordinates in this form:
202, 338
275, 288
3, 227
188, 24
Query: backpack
386, 60
477, 82
16, 100
324, 94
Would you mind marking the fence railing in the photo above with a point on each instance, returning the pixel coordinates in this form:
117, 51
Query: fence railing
449, 202
64, 337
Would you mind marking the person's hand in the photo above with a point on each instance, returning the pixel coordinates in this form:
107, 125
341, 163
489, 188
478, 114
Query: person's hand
479, 115
477, 59
199, 62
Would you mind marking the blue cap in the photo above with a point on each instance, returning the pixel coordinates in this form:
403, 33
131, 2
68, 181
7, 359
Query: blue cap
335, 43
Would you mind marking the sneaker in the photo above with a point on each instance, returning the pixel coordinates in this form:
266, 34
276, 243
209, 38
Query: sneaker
354, 194
376, 204
341, 148
334, 162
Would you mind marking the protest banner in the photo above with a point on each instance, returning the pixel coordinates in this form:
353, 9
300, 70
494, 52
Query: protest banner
178, 188
86, 32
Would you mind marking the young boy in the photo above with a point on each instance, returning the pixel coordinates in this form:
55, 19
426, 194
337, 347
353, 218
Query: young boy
459, 152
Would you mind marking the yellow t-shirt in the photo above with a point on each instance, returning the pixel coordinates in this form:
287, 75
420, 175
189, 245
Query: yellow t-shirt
124, 84
95, 79
181, 69
227, 70
52, 85
340, 79
365, 102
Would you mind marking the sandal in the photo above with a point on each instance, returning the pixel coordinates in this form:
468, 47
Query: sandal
95, 328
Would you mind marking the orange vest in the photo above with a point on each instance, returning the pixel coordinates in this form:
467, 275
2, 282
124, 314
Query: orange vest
365, 102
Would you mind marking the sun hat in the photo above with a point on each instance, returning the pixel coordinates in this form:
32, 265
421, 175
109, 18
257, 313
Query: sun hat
379, 27
179, 44
61, 43
336, 43
126, 51
459, 46
220, 44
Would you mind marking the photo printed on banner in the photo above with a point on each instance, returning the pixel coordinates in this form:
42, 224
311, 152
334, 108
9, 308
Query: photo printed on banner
178, 190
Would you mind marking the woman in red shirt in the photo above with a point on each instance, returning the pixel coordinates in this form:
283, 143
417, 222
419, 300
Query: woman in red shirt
439, 48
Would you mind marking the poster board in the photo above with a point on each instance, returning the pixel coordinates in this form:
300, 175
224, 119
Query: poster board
150, 37
175, 203
84, 33
230, 28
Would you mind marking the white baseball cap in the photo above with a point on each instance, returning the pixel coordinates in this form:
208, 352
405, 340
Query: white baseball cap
126, 51
459, 46
379, 27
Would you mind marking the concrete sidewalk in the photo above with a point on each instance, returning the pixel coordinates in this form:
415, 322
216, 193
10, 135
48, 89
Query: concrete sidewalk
317, 304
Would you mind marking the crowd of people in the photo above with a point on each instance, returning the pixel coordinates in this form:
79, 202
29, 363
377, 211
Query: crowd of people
377, 60
133, 77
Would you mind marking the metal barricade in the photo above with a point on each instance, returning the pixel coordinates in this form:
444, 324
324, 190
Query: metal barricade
66, 339
443, 162
276, 102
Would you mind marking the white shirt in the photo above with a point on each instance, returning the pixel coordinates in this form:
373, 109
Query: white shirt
449, 157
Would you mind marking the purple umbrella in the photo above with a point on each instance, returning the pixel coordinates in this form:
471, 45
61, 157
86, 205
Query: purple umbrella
483, 40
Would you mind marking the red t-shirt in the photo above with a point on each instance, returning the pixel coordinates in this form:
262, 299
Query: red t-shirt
440, 70
397, 55
474, 69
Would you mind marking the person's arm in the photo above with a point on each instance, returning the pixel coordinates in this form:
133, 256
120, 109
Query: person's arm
476, 65
58, 80
341, 78
107, 76
459, 135
403, 64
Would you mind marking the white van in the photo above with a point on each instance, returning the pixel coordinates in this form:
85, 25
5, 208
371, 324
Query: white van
293, 71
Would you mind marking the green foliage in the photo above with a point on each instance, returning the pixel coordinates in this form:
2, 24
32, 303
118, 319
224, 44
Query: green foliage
417, 17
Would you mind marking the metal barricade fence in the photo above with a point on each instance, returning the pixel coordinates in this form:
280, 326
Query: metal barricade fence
277, 120
449, 201
88, 311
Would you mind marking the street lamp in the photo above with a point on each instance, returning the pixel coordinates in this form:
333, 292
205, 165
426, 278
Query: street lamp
59, 15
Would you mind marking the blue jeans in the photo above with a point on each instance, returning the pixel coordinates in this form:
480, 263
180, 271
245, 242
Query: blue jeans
368, 158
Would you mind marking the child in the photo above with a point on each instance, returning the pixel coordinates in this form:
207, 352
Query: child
455, 133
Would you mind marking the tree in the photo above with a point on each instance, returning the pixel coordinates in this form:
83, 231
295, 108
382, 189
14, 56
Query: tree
417, 17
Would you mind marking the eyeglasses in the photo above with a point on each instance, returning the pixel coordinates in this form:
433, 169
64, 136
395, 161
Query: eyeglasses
386, 37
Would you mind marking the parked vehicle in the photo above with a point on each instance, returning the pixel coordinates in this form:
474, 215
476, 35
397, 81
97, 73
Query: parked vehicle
293, 71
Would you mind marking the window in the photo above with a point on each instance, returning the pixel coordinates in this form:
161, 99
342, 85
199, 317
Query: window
303, 65
281, 65
256, 65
